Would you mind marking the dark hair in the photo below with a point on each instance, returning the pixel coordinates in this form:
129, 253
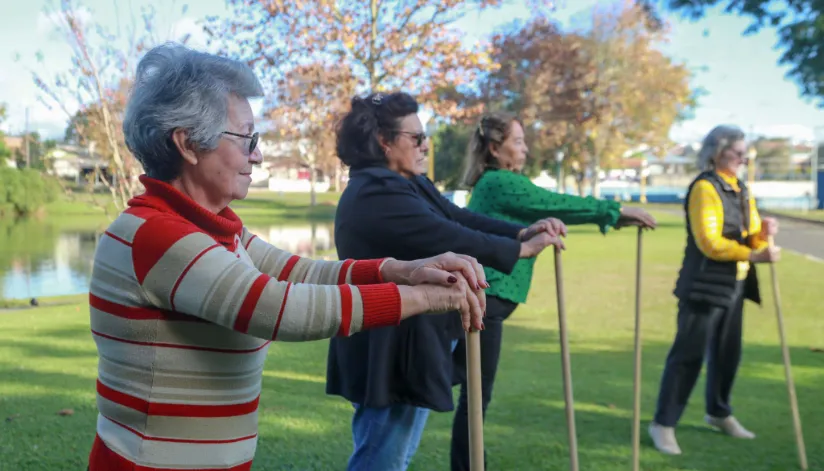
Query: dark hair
373, 116
494, 128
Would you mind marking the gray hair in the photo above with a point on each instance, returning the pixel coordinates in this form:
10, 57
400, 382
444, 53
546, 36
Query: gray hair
176, 87
719, 139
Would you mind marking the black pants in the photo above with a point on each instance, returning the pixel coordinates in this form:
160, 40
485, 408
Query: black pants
716, 331
497, 310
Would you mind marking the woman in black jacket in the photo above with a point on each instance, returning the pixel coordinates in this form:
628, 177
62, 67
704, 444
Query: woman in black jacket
395, 376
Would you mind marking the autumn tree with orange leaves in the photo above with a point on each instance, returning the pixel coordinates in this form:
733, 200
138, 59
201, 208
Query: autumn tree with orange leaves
314, 55
93, 92
640, 92
545, 77
596, 92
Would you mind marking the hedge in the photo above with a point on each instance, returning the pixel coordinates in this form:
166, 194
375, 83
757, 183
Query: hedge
22, 192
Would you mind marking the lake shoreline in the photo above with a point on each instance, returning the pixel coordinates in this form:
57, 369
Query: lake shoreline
51, 253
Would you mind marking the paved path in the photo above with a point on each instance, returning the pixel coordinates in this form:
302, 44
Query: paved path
803, 237
806, 238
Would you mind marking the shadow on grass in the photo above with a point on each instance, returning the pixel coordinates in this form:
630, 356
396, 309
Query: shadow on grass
303, 429
529, 406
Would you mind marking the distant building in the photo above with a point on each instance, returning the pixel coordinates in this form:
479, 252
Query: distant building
14, 144
72, 162
283, 170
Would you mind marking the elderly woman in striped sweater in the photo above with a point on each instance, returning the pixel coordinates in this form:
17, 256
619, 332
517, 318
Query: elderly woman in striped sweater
185, 301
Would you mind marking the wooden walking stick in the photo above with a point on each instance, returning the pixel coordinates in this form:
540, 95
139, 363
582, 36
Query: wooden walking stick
636, 411
473, 384
799, 437
570, 406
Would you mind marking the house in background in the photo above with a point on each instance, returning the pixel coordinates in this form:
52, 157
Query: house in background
75, 163
283, 170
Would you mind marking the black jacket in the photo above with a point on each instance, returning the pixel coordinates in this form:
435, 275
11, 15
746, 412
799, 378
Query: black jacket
383, 214
712, 282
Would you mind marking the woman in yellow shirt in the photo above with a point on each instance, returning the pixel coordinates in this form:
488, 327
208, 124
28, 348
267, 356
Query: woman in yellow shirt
725, 236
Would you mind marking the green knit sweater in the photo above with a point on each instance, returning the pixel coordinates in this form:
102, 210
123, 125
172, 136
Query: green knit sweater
506, 195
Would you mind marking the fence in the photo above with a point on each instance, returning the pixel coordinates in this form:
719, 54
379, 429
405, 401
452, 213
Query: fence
787, 195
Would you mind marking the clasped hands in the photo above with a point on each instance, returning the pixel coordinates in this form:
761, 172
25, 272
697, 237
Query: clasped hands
770, 253
450, 281
446, 282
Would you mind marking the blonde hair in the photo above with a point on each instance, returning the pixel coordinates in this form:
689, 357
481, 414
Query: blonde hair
492, 129
719, 139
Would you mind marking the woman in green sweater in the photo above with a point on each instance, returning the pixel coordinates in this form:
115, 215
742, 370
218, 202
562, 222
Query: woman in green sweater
495, 158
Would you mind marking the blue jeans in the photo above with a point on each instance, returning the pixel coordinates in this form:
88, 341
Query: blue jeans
386, 439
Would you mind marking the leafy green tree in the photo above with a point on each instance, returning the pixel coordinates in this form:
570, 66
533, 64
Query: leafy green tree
5, 153
450, 143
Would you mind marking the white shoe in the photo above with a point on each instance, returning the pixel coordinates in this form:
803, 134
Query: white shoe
664, 439
730, 426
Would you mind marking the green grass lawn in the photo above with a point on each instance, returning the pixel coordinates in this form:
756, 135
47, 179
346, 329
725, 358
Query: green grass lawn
258, 205
48, 364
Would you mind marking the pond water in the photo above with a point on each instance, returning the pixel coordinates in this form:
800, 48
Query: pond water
41, 258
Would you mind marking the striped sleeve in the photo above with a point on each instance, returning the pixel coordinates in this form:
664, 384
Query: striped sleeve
706, 215
185, 270
286, 266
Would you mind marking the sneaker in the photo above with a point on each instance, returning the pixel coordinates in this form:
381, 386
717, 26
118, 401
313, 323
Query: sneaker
664, 439
730, 426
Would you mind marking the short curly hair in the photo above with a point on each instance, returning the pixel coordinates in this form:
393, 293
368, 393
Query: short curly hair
376, 115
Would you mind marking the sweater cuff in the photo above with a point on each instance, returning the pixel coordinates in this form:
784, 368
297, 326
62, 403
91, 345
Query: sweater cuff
612, 213
381, 305
367, 272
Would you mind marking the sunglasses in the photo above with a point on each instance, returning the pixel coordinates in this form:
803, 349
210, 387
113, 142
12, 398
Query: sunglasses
419, 137
254, 137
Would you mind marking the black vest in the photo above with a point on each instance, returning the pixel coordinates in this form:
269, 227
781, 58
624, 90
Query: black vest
708, 281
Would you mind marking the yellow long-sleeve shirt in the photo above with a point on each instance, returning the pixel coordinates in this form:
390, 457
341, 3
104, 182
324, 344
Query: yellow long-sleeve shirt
706, 216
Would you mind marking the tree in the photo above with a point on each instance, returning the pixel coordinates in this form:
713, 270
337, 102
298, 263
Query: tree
450, 141
544, 77
594, 93
96, 85
638, 92
774, 157
311, 99
343, 48
37, 149
799, 25
5, 153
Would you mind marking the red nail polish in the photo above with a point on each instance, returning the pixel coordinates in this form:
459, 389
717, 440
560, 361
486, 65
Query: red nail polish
452, 279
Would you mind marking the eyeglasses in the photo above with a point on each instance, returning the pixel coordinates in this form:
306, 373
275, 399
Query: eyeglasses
254, 137
419, 137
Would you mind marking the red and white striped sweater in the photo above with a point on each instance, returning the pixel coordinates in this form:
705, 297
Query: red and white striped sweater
184, 304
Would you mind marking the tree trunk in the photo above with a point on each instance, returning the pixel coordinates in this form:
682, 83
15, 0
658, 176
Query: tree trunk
337, 176
580, 179
312, 182
595, 181
559, 175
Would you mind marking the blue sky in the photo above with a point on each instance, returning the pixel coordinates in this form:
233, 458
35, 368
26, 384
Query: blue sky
744, 83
